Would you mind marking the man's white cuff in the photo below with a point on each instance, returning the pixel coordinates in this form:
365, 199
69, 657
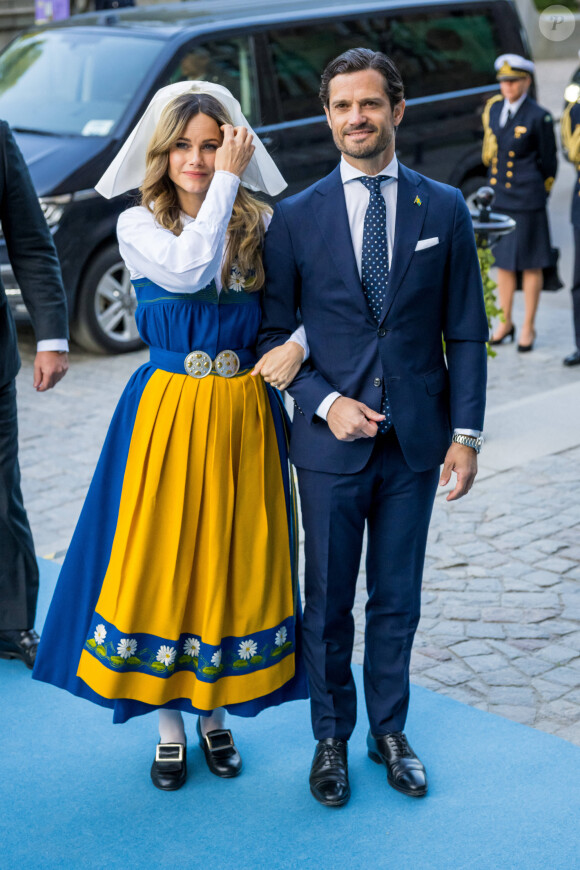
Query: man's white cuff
60, 344
324, 407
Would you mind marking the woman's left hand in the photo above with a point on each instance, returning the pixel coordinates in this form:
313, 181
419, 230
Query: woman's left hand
280, 365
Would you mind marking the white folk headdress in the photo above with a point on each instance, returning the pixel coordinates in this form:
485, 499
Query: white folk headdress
127, 170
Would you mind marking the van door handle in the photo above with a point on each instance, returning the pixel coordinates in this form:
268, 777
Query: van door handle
267, 140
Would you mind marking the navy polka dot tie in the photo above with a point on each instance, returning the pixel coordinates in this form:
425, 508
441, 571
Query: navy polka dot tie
375, 265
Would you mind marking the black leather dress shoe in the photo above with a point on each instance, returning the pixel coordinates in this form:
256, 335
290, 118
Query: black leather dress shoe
19, 645
404, 770
169, 768
573, 359
220, 752
329, 773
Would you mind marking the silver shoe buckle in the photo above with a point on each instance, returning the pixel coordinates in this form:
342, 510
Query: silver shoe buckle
173, 758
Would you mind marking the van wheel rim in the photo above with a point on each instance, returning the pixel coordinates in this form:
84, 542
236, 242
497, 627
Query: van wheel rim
115, 304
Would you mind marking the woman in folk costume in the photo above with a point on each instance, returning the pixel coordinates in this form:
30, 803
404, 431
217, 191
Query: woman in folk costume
179, 588
520, 150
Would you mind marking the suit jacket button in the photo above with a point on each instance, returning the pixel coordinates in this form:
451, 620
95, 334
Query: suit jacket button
381, 332
378, 382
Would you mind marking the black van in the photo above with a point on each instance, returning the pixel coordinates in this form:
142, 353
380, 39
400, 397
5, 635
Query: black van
72, 91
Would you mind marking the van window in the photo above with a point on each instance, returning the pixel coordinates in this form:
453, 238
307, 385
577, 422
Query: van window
436, 52
439, 52
226, 62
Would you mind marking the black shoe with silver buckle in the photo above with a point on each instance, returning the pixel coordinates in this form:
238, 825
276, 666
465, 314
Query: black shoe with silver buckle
329, 773
19, 645
220, 752
169, 770
404, 770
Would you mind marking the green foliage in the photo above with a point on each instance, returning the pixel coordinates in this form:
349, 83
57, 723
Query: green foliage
486, 261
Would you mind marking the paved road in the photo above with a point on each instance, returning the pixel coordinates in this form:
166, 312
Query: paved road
501, 603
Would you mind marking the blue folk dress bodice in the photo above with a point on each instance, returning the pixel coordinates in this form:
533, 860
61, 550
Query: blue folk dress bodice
206, 320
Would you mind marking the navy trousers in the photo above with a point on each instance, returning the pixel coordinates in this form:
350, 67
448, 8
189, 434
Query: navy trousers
18, 567
394, 503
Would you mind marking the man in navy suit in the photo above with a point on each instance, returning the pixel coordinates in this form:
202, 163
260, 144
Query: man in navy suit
35, 263
382, 266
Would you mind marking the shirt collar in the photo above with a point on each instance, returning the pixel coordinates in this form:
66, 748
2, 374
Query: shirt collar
350, 173
513, 107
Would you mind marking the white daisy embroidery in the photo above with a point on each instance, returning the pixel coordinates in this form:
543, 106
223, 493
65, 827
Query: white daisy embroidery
236, 281
247, 649
127, 647
192, 647
166, 655
100, 633
281, 636
216, 658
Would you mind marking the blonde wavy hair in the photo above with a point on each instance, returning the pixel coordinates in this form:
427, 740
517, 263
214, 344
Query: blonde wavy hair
159, 194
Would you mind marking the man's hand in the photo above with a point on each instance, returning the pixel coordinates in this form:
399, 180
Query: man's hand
49, 367
280, 365
349, 419
463, 461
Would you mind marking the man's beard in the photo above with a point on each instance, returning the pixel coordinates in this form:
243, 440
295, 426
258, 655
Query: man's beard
366, 150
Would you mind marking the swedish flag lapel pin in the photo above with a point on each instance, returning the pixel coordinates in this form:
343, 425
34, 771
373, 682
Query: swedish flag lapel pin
417, 201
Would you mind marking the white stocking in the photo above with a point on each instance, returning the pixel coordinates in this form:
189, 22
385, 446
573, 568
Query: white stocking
171, 728
214, 722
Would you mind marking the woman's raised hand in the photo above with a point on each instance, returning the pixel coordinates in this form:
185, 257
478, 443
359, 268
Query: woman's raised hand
236, 150
280, 365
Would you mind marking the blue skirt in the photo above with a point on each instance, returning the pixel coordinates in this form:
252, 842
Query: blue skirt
528, 246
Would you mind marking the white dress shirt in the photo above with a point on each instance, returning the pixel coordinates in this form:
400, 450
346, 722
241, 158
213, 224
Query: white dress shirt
186, 263
357, 198
510, 107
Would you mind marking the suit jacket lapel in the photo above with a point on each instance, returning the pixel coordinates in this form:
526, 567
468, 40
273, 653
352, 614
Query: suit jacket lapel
332, 219
412, 201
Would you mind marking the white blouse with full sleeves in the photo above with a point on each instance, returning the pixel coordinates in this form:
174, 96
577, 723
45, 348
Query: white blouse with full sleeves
186, 263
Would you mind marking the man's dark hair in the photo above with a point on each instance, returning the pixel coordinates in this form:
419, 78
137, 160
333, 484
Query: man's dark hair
357, 60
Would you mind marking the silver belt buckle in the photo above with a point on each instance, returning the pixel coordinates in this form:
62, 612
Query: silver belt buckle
198, 364
226, 364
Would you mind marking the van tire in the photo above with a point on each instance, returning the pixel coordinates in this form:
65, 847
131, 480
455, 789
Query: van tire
104, 319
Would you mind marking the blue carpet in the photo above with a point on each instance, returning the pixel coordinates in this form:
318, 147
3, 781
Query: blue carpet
75, 792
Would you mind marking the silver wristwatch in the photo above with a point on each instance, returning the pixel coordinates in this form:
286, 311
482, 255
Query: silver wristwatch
468, 441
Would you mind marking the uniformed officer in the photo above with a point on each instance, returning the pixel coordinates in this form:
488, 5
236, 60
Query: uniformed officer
520, 149
571, 144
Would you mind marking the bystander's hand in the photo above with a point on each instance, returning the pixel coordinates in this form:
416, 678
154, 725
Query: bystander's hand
280, 365
49, 368
349, 419
463, 461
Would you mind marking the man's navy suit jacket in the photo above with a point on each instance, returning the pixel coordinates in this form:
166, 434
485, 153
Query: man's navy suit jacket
32, 256
433, 294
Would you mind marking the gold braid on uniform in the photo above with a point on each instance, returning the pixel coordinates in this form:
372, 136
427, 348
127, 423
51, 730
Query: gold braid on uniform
570, 140
489, 148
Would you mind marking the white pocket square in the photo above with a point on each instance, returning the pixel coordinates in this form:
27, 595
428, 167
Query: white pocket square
427, 243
